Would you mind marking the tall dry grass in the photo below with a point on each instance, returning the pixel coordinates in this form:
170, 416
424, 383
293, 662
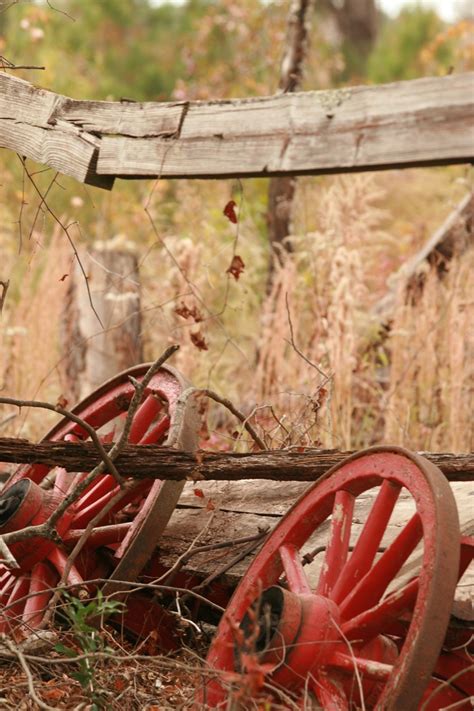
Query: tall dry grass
29, 335
429, 403
309, 361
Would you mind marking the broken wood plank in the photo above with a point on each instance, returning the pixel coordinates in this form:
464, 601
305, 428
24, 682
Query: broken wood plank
153, 461
28, 126
420, 122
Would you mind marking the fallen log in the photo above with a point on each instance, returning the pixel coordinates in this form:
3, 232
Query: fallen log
155, 462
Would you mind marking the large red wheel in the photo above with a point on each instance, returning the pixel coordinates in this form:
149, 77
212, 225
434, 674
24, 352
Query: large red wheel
129, 531
339, 633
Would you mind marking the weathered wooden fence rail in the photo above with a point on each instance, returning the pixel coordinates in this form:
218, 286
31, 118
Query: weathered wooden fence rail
152, 461
420, 122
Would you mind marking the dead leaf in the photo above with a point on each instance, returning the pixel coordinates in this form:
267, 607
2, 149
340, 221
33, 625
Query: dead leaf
62, 401
199, 341
229, 211
210, 506
54, 694
237, 266
186, 312
64, 276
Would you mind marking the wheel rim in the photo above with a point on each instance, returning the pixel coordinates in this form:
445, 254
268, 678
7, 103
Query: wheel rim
130, 530
354, 585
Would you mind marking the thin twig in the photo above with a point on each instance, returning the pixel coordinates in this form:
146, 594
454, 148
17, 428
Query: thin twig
178, 564
326, 376
61, 12
65, 229
238, 414
6, 64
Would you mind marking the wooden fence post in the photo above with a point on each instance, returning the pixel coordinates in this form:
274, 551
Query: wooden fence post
94, 352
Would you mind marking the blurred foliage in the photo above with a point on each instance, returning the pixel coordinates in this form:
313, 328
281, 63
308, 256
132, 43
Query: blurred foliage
417, 43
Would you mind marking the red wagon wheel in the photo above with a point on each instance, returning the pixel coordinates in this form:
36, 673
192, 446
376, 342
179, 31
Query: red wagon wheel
339, 636
131, 528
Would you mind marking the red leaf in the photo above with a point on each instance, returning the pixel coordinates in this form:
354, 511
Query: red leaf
237, 266
186, 312
199, 341
198, 492
229, 211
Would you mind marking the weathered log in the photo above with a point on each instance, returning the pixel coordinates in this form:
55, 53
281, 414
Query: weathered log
152, 461
420, 122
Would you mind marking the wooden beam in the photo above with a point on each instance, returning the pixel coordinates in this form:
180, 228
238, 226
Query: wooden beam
29, 126
152, 461
421, 122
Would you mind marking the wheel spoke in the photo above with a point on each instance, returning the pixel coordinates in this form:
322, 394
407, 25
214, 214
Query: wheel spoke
59, 560
384, 617
365, 549
156, 432
62, 482
100, 536
82, 518
376, 671
329, 692
42, 580
294, 571
338, 544
102, 485
373, 585
14, 605
143, 417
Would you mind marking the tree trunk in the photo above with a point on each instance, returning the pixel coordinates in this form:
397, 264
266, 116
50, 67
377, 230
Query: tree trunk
358, 24
282, 190
93, 352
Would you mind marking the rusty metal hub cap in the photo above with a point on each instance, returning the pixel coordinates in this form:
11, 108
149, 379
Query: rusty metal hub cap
337, 621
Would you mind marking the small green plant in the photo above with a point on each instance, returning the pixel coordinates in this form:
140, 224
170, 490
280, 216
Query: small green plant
79, 614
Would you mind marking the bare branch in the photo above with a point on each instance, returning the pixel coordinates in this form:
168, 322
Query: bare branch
232, 408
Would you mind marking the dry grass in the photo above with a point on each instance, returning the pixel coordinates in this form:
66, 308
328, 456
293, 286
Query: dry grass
29, 337
271, 354
429, 402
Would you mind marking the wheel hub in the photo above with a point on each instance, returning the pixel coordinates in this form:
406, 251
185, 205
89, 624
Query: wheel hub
293, 632
26, 504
